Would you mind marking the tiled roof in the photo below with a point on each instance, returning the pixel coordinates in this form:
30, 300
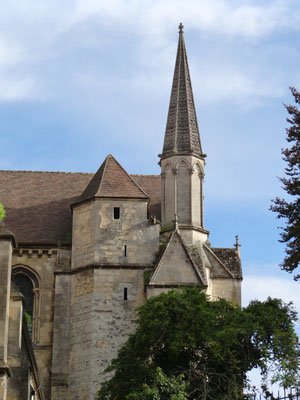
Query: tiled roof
230, 258
182, 133
111, 180
152, 186
37, 204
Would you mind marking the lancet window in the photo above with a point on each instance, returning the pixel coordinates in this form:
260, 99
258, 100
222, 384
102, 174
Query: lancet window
27, 282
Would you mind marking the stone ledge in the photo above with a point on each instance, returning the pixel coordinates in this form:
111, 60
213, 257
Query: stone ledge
37, 252
173, 285
189, 227
103, 266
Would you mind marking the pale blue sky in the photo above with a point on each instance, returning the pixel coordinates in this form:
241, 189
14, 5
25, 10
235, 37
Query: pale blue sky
81, 79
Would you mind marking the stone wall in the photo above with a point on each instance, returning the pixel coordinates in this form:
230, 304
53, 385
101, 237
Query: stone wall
83, 236
101, 320
61, 338
39, 265
228, 289
99, 238
5, 279
19, 381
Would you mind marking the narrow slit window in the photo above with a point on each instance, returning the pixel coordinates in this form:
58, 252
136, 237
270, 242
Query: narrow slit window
125, 293
125, 250
116, 212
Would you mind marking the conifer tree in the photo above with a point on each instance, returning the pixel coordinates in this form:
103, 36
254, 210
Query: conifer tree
290, 209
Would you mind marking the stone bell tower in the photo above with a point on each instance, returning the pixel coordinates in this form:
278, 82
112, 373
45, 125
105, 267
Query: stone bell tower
182, 160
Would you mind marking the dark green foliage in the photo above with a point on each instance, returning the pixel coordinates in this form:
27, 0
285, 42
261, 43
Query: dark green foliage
147, 276
163, 388
213, 344
290, 210
2, 212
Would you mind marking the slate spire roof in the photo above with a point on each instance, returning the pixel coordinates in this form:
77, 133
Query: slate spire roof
182, 133
111, 180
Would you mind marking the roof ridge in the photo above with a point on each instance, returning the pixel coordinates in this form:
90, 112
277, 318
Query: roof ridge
224, 248
158, 175
104, 168
128, 175
217, 258
65, 172
46, 172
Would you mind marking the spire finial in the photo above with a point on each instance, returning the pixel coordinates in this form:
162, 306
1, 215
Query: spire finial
237, 244
181, 27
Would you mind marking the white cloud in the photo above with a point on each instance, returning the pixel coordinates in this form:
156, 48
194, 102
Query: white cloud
10, 53
37, 40
245, 19
16, 88
235, 83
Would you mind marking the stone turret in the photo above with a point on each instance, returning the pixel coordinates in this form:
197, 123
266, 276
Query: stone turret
182, 160
110, 221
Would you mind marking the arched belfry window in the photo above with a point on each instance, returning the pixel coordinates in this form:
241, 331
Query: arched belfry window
27, 282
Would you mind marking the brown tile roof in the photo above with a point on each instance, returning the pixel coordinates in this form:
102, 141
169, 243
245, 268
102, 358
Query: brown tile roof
111, 180
151, 185
37, 204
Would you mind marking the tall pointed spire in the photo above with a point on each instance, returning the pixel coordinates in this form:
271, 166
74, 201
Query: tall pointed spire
182, 133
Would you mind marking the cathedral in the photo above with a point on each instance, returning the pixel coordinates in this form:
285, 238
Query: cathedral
80, 251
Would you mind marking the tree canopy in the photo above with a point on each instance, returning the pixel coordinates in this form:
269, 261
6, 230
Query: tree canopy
205, 347
290, 209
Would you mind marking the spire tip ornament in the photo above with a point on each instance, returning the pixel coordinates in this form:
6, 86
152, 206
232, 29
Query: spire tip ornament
237, 243
181, 27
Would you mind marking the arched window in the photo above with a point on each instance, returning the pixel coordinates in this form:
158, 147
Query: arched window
26, 288
28, 283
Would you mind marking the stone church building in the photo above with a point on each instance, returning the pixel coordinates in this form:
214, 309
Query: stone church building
79, 252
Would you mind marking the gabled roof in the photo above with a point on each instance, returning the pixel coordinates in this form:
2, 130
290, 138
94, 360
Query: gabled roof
37, 203
230, 259
177, 266
182, 133
111, 180
223, 262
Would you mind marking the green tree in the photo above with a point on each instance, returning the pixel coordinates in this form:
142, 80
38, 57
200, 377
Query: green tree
212, 344
162, 388
290, 209
2, 212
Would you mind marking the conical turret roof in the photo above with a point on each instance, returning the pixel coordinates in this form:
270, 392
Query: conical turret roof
182, 133
111, 180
